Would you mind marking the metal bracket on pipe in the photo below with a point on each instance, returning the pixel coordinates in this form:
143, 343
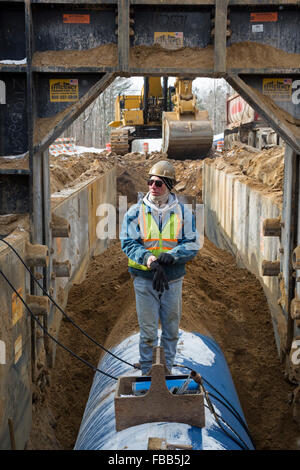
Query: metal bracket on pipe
158, 404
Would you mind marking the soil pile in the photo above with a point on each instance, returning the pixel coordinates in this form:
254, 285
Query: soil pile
66, 170
15, 163
133, 172
188, 57
243, 54
101, 56
12, 223
228, 300
263, 170
252, 54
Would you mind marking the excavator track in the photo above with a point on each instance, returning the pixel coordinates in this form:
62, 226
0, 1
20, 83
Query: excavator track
119, 140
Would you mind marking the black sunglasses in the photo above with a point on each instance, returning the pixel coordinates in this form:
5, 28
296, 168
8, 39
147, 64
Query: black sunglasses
157, 183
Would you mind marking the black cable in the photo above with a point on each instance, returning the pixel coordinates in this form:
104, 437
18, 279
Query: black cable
52, 337
233, 413
227, 434
230, 427
210, 385
63, 312
242, 422
234, 410
217, 417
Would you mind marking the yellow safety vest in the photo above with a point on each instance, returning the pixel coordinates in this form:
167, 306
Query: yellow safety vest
153, 240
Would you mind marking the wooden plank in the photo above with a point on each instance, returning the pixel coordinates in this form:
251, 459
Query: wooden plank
75, 111
268, 113
220, 36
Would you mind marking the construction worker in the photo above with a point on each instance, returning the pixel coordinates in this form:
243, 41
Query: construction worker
159, 236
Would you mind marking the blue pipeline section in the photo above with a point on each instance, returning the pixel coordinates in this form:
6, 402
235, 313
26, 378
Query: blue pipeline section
198, 352
174, 383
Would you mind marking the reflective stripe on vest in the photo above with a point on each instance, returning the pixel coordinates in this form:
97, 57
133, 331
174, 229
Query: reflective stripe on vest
154, 240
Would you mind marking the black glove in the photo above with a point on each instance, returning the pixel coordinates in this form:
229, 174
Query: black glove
166, 259
160, 280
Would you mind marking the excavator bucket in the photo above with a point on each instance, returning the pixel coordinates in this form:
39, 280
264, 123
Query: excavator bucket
189, 137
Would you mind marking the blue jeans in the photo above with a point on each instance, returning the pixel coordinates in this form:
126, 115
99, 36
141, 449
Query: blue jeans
150, 309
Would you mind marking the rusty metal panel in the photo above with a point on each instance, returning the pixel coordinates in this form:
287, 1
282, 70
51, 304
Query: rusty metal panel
12, 31
13, 117
62, 27
14, 193
50, 102
93, 85
274, 26
194, 24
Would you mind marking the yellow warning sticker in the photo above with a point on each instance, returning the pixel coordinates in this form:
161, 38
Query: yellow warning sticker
279, 89
62, 90
169, 40
16, 307
18, 348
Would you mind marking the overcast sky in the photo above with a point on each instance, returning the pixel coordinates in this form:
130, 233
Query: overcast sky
204, 82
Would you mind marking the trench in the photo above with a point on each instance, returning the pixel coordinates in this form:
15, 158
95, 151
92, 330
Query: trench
217, 292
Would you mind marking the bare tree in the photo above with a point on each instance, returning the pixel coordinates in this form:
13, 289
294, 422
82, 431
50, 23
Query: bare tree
213, 99
91, 128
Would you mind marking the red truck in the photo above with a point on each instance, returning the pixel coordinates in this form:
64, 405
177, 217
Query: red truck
245, 125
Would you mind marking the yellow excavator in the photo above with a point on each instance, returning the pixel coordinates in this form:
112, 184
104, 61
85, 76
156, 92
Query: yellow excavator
160, 111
